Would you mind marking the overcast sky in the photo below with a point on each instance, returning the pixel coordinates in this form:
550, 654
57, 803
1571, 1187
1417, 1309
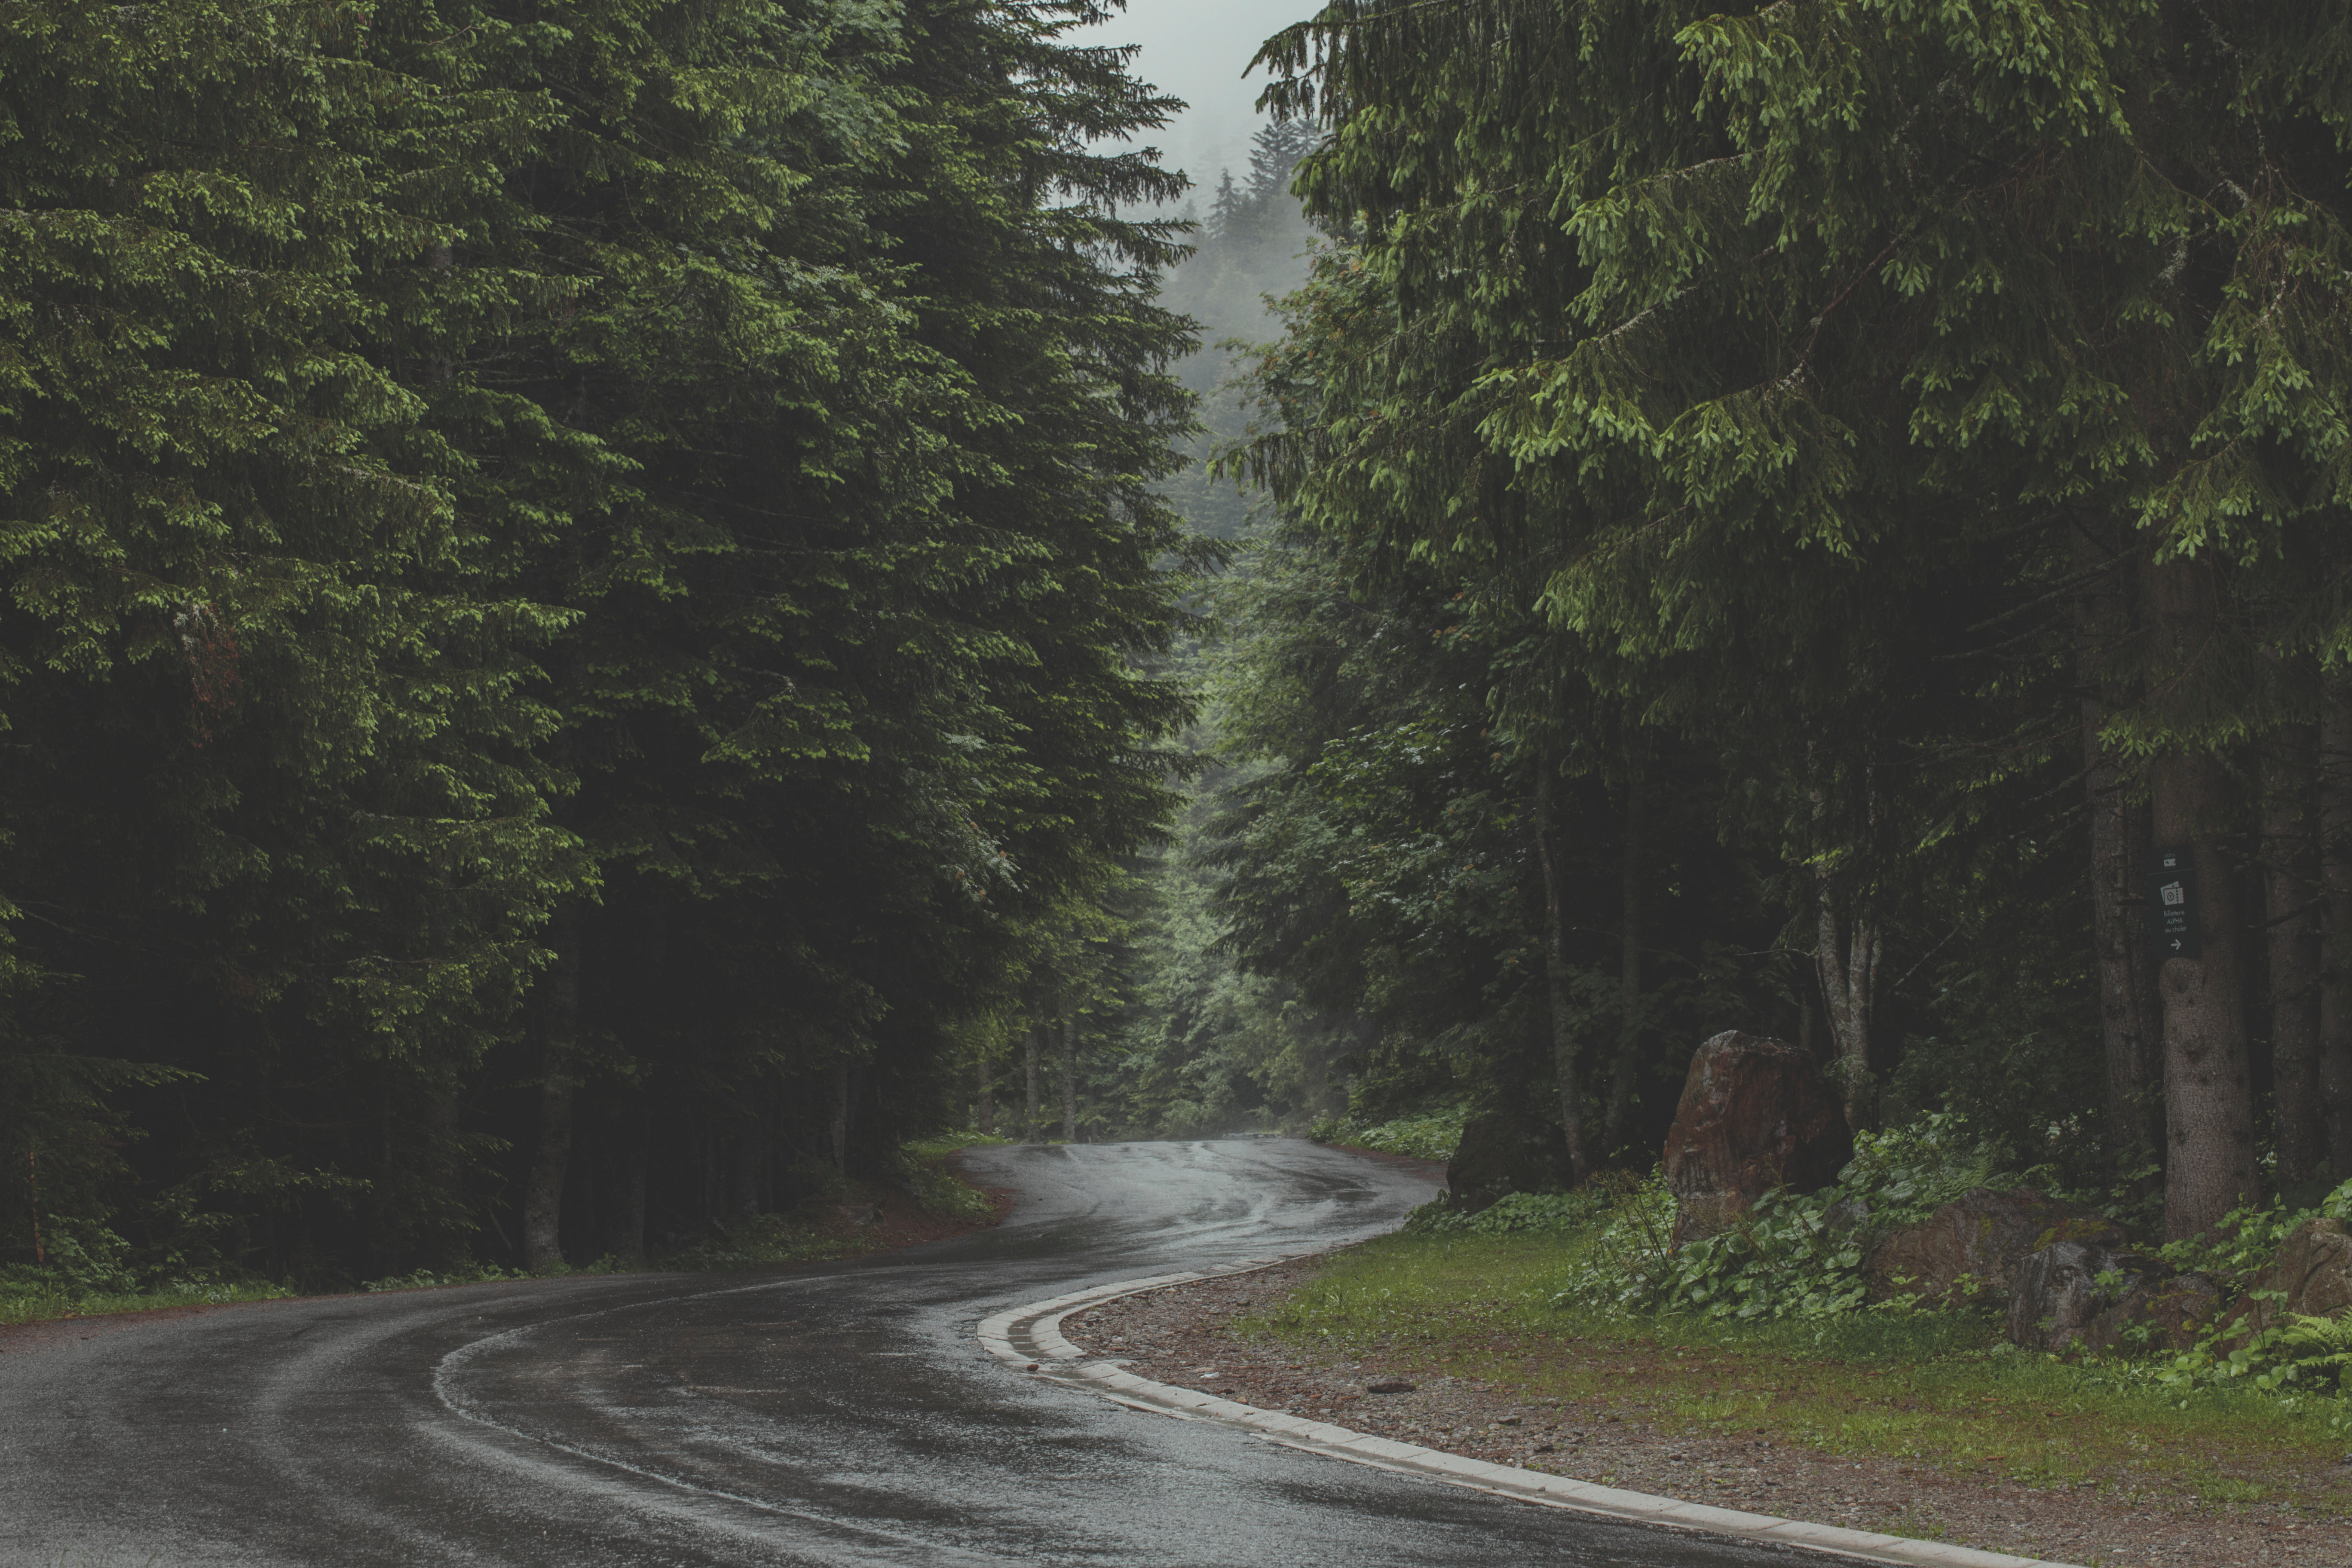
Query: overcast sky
1196, 50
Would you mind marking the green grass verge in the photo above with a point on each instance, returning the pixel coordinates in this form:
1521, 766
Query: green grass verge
43, 1302
1936, 1389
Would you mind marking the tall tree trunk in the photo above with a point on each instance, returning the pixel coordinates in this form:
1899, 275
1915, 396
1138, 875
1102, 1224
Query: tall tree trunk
2209, 1103
2209, 1099
2335, 872
1070, 1082
1627, 1066
2129, 1026
985, 1111
551, 1159
1563, 1017
751, 1163
2291, 895
628, 1233
1846, 960
841, 1116
1029, 1125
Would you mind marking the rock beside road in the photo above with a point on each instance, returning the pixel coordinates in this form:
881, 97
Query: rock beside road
1969, 1250
1755, 1114
2312, 1271
2102, 1300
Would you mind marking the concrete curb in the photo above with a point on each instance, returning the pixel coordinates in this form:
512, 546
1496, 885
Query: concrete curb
1030, 1338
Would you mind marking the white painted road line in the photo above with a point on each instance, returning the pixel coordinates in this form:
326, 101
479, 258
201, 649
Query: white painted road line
1031, 1335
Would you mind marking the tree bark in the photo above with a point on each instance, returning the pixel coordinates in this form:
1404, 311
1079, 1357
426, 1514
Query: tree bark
2291, 896
840, 1129
1070, 1082
1029, 1125
1847, 963
628, 1233
2130, 1029
751, 1163
2207, 1087
1626, 1068
550, 1159
984, 1112
1562, 1014
2335, 872
2209, 1107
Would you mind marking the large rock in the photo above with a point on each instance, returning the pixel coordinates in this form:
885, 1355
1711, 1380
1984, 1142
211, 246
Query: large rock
1506, 1151
2161, 1314
1756, 1114
2105, 1298
2312, 1270
1969, 1249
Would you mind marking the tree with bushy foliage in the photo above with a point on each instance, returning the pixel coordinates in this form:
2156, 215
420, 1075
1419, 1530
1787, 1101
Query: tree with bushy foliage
571, 579
1805, 348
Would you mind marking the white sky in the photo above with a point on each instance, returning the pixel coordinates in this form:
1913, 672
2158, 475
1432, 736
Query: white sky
1196, 50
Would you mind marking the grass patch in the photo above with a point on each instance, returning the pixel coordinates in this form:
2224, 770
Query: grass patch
37, 1301
1937, 1389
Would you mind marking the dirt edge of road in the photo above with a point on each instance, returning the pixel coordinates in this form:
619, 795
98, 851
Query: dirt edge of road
1184, 1335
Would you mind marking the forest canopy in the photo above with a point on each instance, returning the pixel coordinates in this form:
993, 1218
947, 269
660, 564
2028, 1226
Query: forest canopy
610, 612
1780, 512
576, 580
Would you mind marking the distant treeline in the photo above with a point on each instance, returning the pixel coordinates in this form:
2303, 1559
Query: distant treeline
575, 585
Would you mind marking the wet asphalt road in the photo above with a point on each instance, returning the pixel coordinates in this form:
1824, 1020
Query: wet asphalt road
842, 1414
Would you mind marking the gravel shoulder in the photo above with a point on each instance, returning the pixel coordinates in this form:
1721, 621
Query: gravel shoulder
1186, 1336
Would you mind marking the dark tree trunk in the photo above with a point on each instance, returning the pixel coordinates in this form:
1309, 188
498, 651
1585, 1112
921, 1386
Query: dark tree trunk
1029, 1124
2291, 894
2336, 871
750, 1163
550, 1159
1845, 960
1070, 1082
840, 1128
628, 1232
1562, 1014
985, 1111
1627, 1069
2130, 1025
2209, 1103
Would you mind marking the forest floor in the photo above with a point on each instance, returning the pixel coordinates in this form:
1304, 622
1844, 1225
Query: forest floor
1965, 1445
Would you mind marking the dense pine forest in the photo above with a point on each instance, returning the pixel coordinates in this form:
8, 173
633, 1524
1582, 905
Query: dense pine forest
614, 611
578, 587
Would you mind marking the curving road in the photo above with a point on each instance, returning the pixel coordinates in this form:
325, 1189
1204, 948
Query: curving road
839, 1415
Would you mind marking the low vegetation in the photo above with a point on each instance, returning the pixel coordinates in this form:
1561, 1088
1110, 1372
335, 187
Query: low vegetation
1425, 1136
1769, 1329
88, 1271
1936, 1388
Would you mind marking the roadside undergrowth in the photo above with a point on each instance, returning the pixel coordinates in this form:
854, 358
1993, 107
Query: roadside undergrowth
1939, 1390
920, 1200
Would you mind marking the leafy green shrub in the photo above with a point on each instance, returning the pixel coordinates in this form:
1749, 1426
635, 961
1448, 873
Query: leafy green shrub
759, 1239
2248, 1238
1793, 1255
939, 1189
464, 1274
1780, 1261
2302, 1355
1516, 1214
1429, 1136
